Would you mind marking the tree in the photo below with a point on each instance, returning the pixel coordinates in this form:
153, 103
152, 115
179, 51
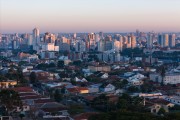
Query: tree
73, 82
77, 62
133, 89
10, 98
162, 72
161, 111
33, 78
21, 115
52, 65
60, 64
122, 104
57, 96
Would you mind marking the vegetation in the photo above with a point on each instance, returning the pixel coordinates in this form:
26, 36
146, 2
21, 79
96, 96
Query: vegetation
33, 78
76, 109
10, 99
57, 96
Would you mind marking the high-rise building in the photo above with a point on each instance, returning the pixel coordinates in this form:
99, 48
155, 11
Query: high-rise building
74, 35
172, 40
30, 40
49, 38
150, 40
163, 40
133, 41
14, 44
160, 40
36, 39
91, 40
166, 40
101, 45
117, 44
101, 35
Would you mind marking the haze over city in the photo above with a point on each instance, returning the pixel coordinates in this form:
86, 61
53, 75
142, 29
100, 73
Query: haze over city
89, 15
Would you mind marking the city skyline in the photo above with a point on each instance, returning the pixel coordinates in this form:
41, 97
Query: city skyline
89, 15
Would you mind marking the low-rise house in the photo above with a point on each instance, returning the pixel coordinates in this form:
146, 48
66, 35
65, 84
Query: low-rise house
105, 75
150, 95
52, 110
94, 88
7, 83
80, 79
136, 79
77, 90
157, 104
106, 87
102, 68
24, 108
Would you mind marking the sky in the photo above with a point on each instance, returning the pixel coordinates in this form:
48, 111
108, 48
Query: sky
89, 15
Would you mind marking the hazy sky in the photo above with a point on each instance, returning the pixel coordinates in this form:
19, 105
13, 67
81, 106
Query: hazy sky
89, 15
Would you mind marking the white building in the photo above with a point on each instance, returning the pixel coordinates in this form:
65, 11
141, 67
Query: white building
169, 78
136, 79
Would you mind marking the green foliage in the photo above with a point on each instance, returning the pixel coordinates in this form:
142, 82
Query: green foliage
101, 102
73, 82
33, 78
51, 65
125, 115
120, 84
22, 63
122, 104
10, 98
176, 108
42, 66
57, 96
21, 115
60, 64
76, 109
161, 111
77, 62
133, 89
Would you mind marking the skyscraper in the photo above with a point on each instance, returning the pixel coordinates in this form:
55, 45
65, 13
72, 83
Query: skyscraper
133, 41
172, 38
160, 40
36, 39
166, 40
150, 40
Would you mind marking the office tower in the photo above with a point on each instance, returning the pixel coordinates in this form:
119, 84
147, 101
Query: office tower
150, 40
49, 38
160, 40
129, 41
74, 35
117, 44
35, 39
101, 35
101, 45
14, 44
108, 45
80, 46
163, 40
92, 42
172, 40
64, 44
0, 37
166, 40
30, 40
97, 38
133, 41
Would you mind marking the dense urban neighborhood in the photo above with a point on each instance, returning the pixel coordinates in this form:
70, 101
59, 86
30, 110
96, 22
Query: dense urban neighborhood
90, 76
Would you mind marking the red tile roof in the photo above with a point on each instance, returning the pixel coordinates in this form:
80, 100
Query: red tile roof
84, 116
23, 89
